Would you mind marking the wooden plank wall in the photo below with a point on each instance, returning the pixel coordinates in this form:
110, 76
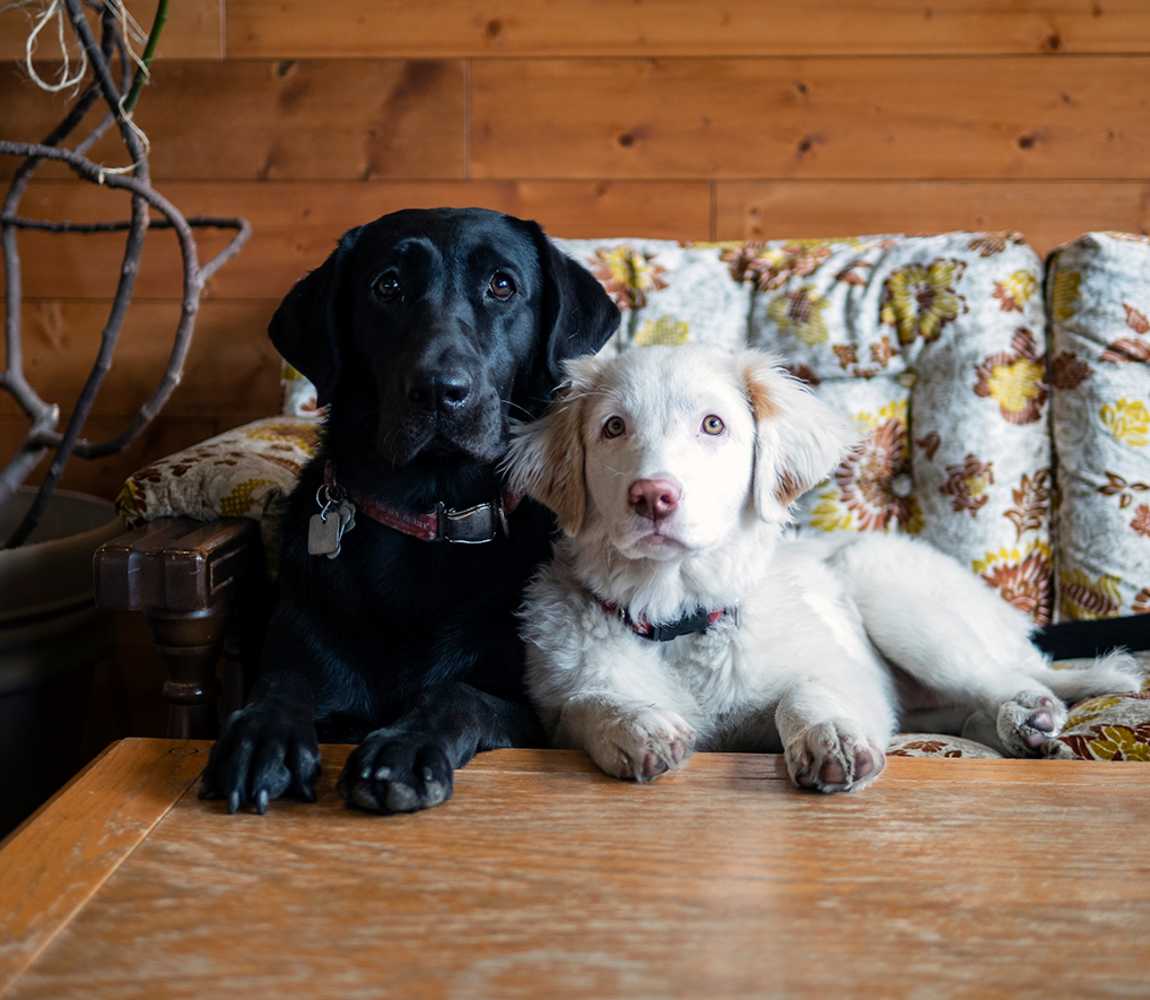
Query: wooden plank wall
671, 118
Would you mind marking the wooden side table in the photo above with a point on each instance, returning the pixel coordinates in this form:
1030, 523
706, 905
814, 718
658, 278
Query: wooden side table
542, 877
199, 585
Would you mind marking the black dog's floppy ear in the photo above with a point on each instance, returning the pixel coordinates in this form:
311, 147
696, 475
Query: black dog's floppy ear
305, 327
578, 316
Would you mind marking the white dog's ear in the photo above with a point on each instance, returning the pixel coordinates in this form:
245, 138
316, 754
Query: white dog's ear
799, 440
546, 458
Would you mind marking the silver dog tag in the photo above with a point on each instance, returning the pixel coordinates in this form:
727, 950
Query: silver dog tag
323, 534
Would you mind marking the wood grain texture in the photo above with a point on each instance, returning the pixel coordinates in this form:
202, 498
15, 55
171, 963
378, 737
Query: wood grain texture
51, 865
194, 30
257, 119
542, 876
683, 27
939, 118
1047, 213
296, 226
231, 367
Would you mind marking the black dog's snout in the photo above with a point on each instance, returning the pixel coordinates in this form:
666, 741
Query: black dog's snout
445, 390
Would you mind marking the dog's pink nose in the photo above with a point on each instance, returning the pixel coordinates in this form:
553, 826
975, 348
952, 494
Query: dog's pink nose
654, 498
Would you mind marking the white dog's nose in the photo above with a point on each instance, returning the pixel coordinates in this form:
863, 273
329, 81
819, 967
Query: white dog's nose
654, 498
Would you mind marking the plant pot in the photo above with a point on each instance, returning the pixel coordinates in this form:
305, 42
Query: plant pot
51, 638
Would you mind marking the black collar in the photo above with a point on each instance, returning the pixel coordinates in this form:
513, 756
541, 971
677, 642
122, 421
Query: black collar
697, 622
475, 525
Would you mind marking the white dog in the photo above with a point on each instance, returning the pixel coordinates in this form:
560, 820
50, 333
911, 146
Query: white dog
676, 615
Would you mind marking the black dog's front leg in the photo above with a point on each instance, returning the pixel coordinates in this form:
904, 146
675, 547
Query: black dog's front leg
269, 747
409, 765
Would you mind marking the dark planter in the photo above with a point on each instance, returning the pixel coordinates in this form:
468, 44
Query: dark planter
51, 638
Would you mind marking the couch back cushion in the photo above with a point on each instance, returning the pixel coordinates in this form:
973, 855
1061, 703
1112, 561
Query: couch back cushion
934, 344
1098, 292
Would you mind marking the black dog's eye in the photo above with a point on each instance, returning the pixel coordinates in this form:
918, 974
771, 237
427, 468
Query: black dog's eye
614, 427
502, 286
386, 286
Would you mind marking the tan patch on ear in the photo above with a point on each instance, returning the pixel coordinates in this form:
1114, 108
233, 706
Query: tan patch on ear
789, 489
566, 487
762, 406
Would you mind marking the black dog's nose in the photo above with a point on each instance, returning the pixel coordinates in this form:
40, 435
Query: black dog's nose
445, 390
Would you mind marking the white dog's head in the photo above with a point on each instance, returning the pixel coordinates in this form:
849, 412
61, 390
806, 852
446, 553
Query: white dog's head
669, 450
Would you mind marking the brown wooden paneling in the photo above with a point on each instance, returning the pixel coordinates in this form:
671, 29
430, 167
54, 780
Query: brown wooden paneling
105, 476
258, 119
683, 27
296, 225
232, 367
194, 30
1046, 212
1086, 117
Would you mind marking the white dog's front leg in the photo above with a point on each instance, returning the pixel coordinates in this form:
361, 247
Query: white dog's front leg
826, 744
627, 739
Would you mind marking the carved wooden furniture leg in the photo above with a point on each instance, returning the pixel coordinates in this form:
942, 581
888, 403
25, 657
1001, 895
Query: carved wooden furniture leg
187, 577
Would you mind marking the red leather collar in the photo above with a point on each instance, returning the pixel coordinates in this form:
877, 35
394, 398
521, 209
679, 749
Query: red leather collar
697, 622
468, 526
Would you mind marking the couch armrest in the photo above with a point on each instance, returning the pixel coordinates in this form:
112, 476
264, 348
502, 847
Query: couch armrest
189, 578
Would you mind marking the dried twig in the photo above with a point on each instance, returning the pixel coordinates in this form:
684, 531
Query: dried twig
44, 433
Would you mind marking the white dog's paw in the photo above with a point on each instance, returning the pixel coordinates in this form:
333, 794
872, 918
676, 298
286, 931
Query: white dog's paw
833, 756
1028, 721
640, 745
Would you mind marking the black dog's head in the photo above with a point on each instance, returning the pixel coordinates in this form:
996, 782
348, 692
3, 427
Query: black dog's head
424, 327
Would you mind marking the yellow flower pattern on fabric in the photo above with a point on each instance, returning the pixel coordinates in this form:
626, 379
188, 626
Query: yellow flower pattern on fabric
666, 331
801, 313
871, 490
1022, 577
919, 301
1015, 379
1092, 708
1117, 743
305, 437
1080, 598
1015, 291
239, 501
131, 503
1128, 421
1064, 294
1016, 385
627, 275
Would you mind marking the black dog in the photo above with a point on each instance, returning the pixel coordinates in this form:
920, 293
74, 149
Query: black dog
423, 333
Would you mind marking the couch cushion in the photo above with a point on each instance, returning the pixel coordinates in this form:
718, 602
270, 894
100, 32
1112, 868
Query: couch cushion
935, 745
934, 344
244, 472
1098, 291
1110, 727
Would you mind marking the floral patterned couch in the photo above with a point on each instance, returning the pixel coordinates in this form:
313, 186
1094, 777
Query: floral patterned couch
1006, 407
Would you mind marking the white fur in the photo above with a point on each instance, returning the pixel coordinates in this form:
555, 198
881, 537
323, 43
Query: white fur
834, 643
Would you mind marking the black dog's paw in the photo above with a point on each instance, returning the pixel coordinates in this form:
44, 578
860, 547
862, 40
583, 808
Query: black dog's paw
394, 772
266, 750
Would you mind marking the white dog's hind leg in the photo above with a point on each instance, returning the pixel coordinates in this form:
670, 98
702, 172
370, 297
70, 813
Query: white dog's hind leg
944, 627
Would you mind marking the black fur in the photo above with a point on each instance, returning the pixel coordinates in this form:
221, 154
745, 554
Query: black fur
409, 646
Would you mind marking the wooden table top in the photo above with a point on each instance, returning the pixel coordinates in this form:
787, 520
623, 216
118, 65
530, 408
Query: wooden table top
544, 878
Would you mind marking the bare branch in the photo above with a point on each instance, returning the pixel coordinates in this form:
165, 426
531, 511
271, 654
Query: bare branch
44, 434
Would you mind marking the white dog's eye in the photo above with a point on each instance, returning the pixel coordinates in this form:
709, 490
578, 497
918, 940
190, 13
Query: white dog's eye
614, 427
713, 425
